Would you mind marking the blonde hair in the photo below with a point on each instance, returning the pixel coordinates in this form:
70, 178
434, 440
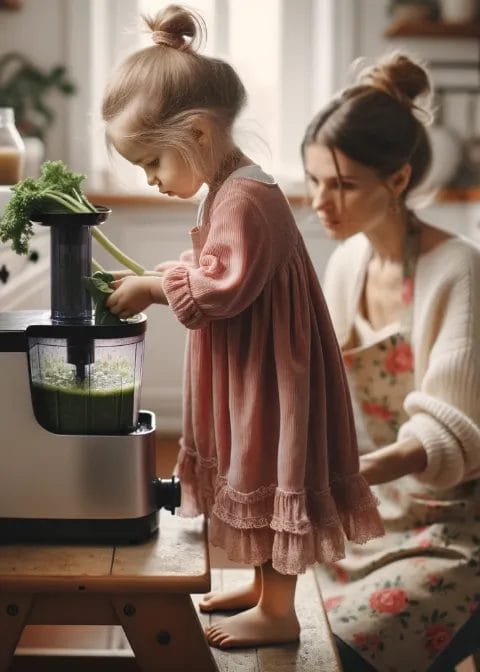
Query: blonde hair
169, 86
381, 120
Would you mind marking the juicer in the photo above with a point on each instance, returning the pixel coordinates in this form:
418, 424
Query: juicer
77, 456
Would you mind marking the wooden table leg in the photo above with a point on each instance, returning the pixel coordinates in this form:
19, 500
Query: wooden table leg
14, 610
164, 632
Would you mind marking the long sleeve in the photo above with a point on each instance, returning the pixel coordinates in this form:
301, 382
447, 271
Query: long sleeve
233, 267
186, 257
444, 409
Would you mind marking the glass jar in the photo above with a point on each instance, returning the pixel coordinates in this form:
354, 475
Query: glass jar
12, 148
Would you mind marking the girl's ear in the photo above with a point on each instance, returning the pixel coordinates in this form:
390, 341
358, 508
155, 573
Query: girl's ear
201, 131
399, 180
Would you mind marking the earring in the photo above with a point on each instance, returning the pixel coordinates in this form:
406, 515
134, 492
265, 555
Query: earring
395, 205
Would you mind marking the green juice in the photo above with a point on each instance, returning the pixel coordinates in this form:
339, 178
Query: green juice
104, 402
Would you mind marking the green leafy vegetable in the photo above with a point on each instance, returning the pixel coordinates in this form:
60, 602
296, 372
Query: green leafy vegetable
58, 189
99, 288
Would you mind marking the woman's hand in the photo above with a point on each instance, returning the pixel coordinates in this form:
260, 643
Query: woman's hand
134, 293
394, 461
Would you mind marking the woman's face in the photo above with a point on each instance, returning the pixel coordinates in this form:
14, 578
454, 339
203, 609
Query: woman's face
349, 201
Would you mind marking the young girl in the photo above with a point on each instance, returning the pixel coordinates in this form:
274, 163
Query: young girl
268, 449
405, 302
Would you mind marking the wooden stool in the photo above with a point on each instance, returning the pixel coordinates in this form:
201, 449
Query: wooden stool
145, 588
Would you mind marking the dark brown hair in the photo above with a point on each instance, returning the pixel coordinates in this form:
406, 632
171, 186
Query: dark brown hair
378, 121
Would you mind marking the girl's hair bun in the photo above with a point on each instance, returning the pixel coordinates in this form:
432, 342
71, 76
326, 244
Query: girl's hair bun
177, 27
399, 76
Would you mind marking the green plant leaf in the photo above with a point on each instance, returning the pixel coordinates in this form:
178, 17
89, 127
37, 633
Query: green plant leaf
98, 286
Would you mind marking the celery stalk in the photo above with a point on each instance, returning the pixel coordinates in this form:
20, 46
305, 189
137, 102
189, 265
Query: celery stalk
112, 249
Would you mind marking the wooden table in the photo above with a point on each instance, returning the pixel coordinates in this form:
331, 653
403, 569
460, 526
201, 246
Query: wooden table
145, 588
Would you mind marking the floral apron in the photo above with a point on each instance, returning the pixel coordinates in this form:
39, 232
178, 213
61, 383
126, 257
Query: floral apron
399, 600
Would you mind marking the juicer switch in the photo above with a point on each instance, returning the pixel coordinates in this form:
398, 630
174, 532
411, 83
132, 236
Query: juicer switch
167, 493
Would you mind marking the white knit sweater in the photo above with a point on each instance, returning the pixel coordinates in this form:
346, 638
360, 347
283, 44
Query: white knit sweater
444, 407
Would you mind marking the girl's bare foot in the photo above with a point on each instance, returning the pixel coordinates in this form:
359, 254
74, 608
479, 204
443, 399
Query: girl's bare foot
254, 627
231, 600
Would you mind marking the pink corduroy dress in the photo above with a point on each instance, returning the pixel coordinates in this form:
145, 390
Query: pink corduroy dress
268, 450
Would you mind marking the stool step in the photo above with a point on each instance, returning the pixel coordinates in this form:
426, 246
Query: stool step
42, 663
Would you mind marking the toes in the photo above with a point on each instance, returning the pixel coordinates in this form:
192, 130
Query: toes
226, 642
218, 639
207, 605
213, 630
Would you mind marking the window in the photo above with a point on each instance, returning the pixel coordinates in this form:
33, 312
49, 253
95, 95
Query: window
278, 47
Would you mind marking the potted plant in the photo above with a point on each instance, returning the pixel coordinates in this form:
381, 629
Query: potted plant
27, 89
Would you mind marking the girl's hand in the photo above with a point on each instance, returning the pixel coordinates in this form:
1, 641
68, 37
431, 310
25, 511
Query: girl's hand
394, 461
118, 275
166, 266
134, 293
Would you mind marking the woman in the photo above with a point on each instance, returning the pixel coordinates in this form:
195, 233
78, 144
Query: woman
405, 303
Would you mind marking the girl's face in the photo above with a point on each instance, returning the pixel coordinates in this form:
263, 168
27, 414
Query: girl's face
164, 168
348, 202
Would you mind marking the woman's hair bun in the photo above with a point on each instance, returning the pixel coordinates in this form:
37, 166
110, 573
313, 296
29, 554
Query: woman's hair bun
177, 27
399, 76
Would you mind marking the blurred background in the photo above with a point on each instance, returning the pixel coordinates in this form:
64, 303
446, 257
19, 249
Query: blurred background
55, 57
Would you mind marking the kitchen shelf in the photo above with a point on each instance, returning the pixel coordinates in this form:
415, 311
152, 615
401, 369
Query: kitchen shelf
458, 195
433, 29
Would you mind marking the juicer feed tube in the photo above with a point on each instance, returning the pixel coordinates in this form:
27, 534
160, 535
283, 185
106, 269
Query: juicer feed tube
71, 261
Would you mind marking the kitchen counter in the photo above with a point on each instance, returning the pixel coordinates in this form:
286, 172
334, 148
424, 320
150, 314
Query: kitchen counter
146, 199
296, 198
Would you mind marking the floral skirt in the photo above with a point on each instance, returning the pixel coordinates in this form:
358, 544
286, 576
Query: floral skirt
399, 600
